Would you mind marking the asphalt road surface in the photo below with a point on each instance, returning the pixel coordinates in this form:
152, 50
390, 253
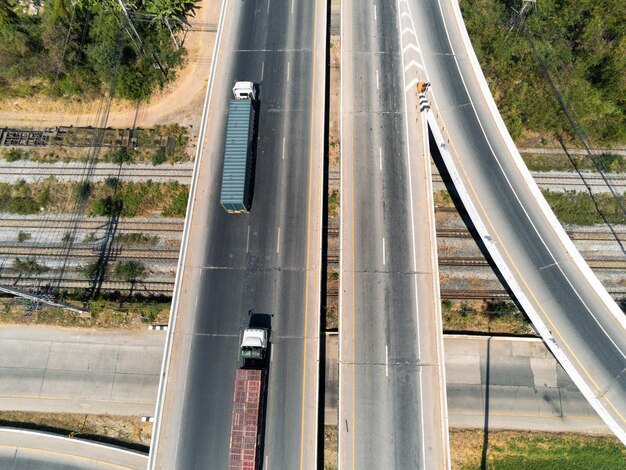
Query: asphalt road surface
582, 325
267, 261
391, 390
43, 451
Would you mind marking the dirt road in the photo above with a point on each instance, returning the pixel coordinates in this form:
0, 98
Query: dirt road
180, 102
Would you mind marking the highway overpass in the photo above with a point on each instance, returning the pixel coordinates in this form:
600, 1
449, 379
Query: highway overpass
392, 403
267, 261
569, 307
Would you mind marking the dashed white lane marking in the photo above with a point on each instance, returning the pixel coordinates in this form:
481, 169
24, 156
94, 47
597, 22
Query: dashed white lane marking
278, 241
283, 154
377, 79
262, 69
386, 361
248, 240
268, 6
384, 260
292, 2
287, 71
375, 12
380, 158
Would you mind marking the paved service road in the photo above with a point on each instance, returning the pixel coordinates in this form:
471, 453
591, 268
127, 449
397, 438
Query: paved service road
43, 451
267, 261
517, 383
527, 388
580, 324
79, 370
391, 391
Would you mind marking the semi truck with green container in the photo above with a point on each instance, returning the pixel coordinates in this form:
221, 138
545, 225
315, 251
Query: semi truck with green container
236, 192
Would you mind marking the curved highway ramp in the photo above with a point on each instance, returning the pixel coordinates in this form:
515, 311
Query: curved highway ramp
578, 320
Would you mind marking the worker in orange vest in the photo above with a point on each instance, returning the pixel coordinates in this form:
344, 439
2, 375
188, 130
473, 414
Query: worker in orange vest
422, 87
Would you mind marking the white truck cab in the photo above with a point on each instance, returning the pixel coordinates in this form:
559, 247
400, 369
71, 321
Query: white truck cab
244, 91
254, 343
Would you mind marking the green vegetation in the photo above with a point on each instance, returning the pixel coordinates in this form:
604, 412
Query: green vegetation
76, 48
29, 266
333, 203
612, 163
23, 236
479, 316
104, 311
178, 206
579, 208
13, 155
136, 239
129, 270
583, 43
529, 450
112, 197
159, 157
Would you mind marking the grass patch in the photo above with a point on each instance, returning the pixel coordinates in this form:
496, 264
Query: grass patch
128, 199
483, 317
135, 239
333, 204
331, 447
442, 198
560, 162
102, 314
535, 450
579, 208
124, 430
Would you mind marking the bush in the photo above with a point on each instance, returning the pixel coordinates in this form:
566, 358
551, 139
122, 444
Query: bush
23, 205
29, 266
120, 156
13, 155
82, 191
129, 270
159, 157
23, 236
178, 207
107, 207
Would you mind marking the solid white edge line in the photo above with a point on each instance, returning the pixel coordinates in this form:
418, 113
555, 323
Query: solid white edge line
323, 15
408, 159
342, 17
154, 442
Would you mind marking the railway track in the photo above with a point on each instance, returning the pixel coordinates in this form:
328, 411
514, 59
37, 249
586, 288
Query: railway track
127, 225
564, 180
98, 171
56, 252
608, 263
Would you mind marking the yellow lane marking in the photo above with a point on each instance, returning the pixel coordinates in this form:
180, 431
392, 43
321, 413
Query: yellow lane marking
554, 328
64, 454
308, 238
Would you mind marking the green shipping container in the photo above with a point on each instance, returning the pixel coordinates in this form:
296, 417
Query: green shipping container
235, 195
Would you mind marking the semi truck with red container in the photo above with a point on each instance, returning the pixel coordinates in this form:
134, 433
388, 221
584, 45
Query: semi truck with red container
246, 432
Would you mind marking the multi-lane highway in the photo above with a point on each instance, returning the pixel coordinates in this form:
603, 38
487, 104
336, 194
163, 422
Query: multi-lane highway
584, 328
267, 261
392, 407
